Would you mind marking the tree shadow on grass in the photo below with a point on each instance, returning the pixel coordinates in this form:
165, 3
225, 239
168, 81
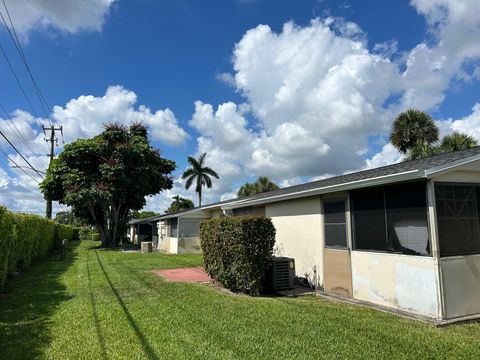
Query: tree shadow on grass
26, 310
93, 303
148, 350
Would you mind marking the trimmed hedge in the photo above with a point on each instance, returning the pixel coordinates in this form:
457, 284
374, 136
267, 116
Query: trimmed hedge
237, 251
25, 238
87, 234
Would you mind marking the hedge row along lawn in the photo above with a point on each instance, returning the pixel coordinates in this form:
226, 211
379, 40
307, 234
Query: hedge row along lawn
25, 238
104, 304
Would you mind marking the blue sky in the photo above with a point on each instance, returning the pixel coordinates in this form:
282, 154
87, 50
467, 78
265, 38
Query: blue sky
373, 58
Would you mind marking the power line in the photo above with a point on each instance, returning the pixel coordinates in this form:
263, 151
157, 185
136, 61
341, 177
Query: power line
43, 102
21, 168
18, 81
18, 166
19, 135
18, 47
21, 155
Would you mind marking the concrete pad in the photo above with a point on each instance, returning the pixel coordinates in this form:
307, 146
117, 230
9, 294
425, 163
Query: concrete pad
193, 274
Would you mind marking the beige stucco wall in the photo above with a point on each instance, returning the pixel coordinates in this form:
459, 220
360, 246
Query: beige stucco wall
337, 272
216, 213
404, 282
461, 285
163, 240
189, 245
299, 235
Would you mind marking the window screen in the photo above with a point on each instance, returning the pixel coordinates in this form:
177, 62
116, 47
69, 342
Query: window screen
392, 219
335, 224
369, 219
173, 227
189, 227
407, 219
458, 219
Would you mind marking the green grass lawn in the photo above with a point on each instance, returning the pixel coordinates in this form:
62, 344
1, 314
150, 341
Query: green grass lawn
107, 305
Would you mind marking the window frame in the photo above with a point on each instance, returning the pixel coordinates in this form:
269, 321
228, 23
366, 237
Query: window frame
477, 195
383, 189
345, 200
170, 233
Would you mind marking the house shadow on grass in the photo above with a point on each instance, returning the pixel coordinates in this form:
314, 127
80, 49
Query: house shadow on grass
26, 309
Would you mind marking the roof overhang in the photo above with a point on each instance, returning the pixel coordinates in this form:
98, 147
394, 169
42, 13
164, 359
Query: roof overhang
381, 180
358, 184
196, 212
437, 170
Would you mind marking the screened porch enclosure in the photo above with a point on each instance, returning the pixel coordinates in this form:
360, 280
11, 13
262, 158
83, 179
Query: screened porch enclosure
458, 218
392, 219
392, 259
458, 222
181, 234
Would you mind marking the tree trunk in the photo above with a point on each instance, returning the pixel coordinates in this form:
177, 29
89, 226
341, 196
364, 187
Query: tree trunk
103, 235
200, 198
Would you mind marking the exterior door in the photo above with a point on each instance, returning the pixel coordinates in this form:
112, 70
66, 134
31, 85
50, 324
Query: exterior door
337, 262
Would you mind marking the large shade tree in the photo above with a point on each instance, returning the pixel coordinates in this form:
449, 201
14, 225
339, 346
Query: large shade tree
263, 184
200, 174
106, 177
180, 204
143, 214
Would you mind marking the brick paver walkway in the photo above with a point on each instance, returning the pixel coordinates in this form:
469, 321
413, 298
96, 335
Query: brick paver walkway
193, 274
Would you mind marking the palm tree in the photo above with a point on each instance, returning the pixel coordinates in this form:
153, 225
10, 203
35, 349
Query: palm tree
179, 204
246, 189
263, 184
413, 128
421, 150
199, 173
457, 141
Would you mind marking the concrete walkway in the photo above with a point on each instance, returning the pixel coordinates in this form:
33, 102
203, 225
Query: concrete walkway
193, 274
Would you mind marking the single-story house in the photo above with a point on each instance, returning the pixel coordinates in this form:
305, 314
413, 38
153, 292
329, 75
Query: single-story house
404, 236
143, 230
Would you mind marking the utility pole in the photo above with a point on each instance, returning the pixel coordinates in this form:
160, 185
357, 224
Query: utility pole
52, 140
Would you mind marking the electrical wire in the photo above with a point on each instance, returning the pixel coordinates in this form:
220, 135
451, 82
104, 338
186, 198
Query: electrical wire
18, 166
17, 80
21, 155
18, 47
43, 102
19, 135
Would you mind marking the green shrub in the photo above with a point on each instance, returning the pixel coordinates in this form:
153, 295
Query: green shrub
63, 232
7, 244
25, 238
237, 250
85, 234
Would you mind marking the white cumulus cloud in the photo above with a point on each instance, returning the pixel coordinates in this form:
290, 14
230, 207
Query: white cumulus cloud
84, 116
69, 16
317, 94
